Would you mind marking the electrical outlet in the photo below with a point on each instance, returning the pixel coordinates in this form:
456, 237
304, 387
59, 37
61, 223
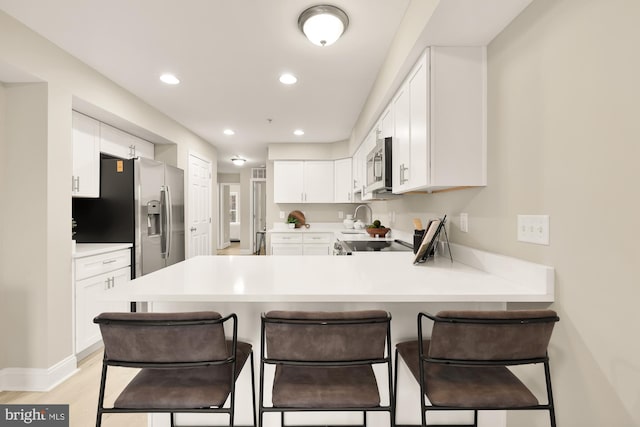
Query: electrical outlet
340, 214
281, 214
533, 229
464, 222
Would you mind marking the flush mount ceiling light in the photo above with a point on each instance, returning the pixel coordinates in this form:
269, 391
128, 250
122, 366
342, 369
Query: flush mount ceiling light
169, 79
238, 161
323, 24
229, 132
288, 79
298, 132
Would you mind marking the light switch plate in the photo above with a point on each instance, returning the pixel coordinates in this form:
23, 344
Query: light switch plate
533, 229
464, 222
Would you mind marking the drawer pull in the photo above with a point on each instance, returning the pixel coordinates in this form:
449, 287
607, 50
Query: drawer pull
109, 261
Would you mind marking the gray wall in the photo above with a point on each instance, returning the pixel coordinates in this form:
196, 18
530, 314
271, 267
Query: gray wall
564, 140
35, 156
36, 304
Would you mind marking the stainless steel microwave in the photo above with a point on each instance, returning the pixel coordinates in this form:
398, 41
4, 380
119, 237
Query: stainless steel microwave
379, 167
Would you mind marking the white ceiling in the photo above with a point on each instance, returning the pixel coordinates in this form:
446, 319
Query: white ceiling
228, 55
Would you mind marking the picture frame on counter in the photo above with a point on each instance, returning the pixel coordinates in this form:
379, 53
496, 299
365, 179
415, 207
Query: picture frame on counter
430, 239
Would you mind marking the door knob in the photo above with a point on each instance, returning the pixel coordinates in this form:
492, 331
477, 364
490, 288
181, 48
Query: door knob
193, 229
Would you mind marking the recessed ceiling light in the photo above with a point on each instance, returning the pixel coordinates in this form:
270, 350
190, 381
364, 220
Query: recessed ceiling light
169, 79
298, 132
288, 79
229, 132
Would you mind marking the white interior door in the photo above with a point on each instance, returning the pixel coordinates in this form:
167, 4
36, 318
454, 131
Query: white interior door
224, 239
199, 230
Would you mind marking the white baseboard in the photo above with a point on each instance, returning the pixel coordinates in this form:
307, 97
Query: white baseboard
36, 379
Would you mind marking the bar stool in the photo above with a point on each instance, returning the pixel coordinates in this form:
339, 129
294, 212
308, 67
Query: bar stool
260, 242
324, 361
187, 365
464, 366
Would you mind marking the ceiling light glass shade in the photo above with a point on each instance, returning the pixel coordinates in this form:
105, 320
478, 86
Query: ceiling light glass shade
169, 79
288, 79
323, 24
229, 132
298, 132
238, 161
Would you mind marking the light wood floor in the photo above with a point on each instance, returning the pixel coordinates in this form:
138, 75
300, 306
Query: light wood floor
232, 249
81, 393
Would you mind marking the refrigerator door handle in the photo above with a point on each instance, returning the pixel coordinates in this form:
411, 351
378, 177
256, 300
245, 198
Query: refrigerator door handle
164, 221
169, 229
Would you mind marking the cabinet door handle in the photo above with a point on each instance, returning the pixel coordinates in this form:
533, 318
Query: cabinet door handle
109, 261
403, 169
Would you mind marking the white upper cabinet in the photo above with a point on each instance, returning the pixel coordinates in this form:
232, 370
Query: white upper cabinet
358, 162
303, 181
288, 186
318, 181
386, 123
124, 145
439, 122
85, 180
401, 142
343, 183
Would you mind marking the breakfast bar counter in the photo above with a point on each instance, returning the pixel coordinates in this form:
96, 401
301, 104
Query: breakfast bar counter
366, 277
251, 285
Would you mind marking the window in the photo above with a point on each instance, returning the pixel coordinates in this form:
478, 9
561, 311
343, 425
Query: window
233, 207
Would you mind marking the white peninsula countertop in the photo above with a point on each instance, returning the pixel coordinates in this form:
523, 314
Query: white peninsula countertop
371, 277
251, 285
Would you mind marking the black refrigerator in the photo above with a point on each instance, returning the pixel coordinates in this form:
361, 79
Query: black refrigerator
141, 202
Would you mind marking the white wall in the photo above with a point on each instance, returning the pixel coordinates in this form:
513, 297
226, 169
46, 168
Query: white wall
4, 326
564, 140
37, 137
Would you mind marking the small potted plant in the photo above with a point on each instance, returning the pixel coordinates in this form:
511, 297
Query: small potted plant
292, 221
377, 229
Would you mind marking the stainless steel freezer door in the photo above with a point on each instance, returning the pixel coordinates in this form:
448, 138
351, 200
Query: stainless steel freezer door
149, 180
174, 182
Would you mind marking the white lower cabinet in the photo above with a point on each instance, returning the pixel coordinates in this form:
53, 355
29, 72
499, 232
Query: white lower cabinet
301, 243
317, 244
95, 276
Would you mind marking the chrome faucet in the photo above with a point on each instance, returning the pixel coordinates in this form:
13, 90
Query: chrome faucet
355, 214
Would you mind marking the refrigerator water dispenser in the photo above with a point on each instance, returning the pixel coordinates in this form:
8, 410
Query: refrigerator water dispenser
153, 218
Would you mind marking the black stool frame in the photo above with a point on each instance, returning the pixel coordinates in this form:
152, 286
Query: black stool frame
387, 359
424, 359
230, 360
